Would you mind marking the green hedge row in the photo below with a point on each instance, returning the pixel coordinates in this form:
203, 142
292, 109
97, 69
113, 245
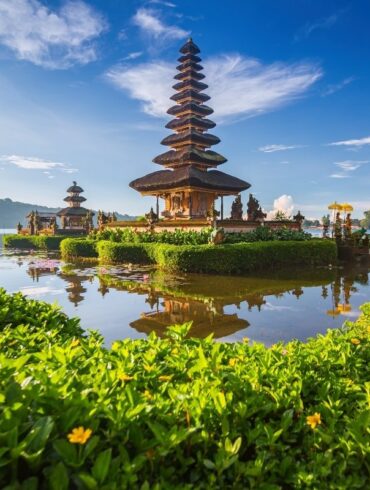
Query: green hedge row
233, 258
33, 242
74, 248
179, 413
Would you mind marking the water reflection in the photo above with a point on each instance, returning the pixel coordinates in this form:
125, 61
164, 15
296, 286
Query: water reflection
128, 301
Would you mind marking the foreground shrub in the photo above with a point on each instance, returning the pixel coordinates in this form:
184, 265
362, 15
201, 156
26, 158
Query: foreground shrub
33, 242
73, 248
226, 259
176, 413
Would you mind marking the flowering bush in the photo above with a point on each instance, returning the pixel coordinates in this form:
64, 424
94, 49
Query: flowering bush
178, 413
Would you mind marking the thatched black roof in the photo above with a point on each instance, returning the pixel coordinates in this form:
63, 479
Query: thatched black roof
189, 177
190, 84
189, 154
190, 107
191, 64
190, 121
76, 189
190, 47
74, 199
191, 137
80, 211
190, 94
189, 73
189, 57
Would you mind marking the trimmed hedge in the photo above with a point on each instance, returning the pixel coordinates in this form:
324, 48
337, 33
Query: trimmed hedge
33, 242
112, 252
179, 413
74, 248
221, 259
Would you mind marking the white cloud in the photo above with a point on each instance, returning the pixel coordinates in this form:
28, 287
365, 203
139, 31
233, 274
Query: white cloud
355, 143
50, 38
163, 2
34, 163
339, 176
132, 56
239, 86
273, 148
331, 89
149, 22
319, 24
350, 165
284, 204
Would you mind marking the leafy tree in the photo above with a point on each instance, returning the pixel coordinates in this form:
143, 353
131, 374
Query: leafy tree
281, 216
366, 221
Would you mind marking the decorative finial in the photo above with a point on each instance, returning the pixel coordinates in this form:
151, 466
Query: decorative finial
74, 182
190, 39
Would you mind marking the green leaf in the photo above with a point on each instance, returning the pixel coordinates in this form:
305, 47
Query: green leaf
101, 465
58, 478
66, 451
88, 481
209, 464
37, 438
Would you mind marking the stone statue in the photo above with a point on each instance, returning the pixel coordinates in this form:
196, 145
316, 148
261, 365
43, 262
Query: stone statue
217, 236
19, 228
237, 208
103, 219
325, 226
53, 225
89, 221
299, 218
151, 217
347, 229
338, 227
254, 210
31, 222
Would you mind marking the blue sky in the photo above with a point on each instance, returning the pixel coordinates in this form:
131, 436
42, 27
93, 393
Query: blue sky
84, 86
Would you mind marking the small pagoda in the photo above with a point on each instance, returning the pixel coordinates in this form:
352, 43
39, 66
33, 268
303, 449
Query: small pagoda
75, 216
189, 184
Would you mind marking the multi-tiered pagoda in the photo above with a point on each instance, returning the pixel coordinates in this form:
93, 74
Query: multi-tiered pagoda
187, 184
75, 216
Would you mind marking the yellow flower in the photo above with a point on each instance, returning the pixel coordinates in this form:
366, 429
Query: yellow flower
125, 377
75, 343
175, 351
232, 362
115, 346
355, 341
79, 435
246, 340
148, 395
165, 378
314, 420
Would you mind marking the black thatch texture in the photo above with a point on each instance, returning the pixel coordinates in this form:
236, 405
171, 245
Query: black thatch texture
189, 73
189, 57
190, 154
74, 199
190, 94
189, 177
190, 121
190, 84
76, 189
74, 212
191, 137
190, 108
190, 47
191, 64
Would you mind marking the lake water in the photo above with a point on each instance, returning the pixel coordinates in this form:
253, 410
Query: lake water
129, 301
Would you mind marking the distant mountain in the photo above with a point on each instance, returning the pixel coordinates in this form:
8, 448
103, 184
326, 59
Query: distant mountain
12, 212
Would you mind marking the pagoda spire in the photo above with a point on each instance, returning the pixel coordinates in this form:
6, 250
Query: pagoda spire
190, 144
